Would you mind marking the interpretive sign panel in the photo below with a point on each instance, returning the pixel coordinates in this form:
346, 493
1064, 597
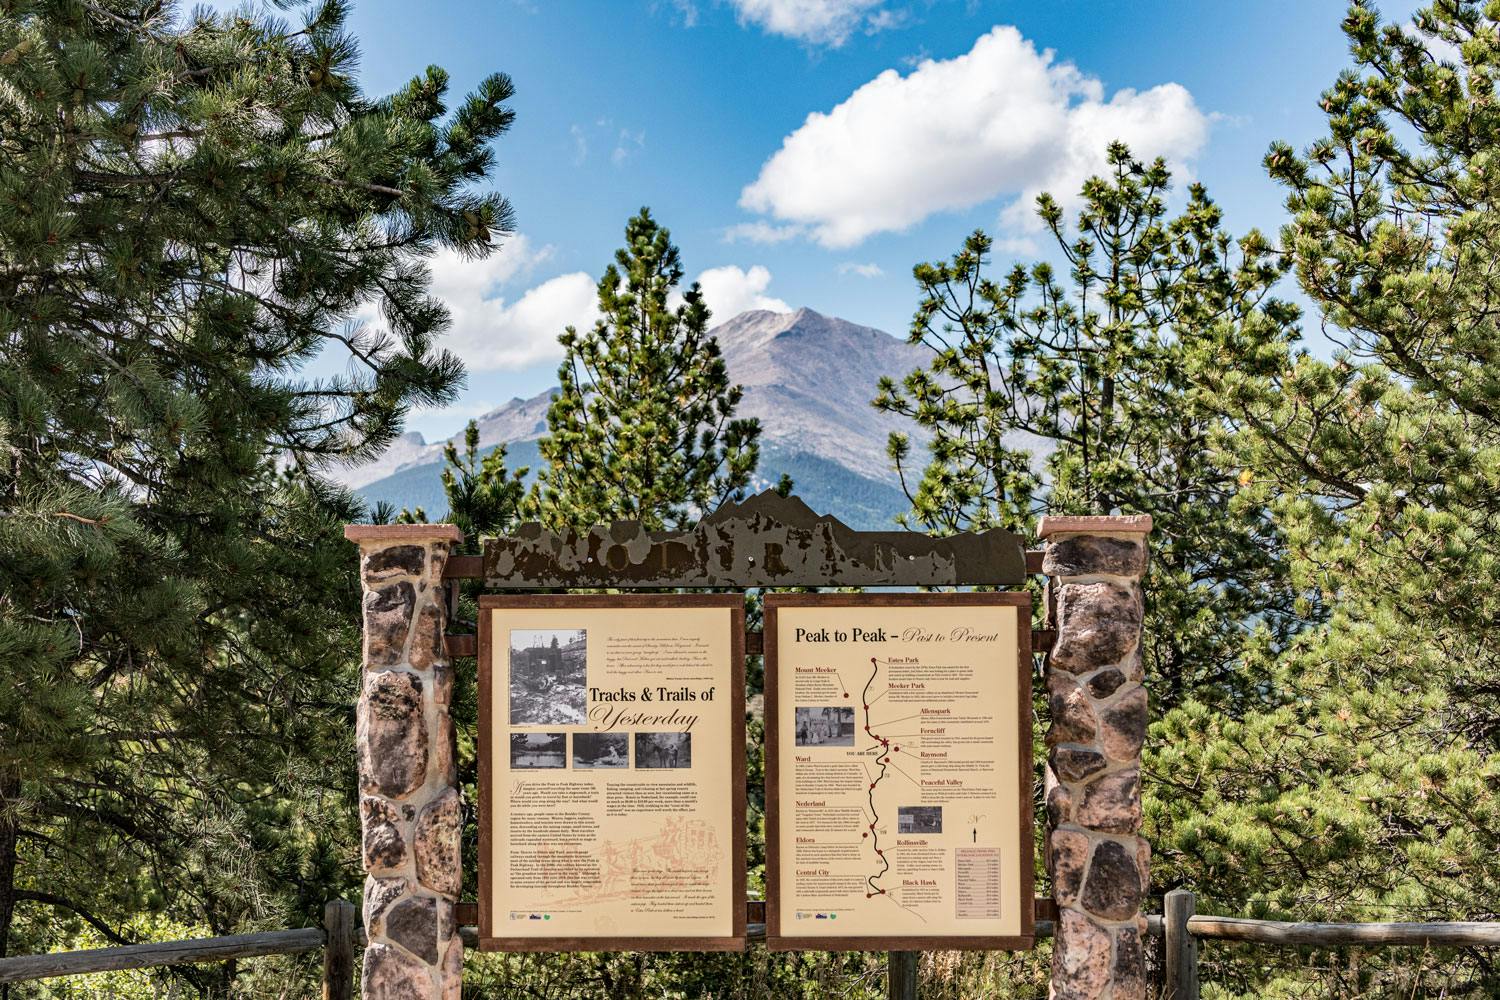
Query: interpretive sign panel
898, 771
612, 773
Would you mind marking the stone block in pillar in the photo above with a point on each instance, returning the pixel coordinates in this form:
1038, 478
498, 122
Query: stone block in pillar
1099, 708
410, 811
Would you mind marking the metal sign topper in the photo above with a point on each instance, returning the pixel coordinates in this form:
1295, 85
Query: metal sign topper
767, 541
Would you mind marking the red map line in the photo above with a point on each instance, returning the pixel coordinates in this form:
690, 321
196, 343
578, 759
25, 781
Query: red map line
883, 759
870, 880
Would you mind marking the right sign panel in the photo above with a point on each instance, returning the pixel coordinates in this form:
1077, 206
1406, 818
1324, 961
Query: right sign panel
898, 771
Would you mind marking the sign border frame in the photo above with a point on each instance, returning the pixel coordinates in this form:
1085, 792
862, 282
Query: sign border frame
736, 940
1027, 888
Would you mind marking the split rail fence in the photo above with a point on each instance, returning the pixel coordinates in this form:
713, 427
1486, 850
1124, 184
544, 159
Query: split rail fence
340, 936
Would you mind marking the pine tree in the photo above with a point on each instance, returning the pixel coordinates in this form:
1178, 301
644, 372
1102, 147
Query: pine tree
484, 496
643, 426
1091, 366
191, 210
1370, 790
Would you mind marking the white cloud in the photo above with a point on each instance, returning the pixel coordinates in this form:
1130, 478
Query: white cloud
886, 20
731, 290
687, 10
521, 334
1019, 246
490, 331
1002, 119
863, 270
1440, 48
762, 232
622, 142
628, 142
516, 258
817, 22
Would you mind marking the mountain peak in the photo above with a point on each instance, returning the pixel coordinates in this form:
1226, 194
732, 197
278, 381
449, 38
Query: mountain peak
752, 331
808, 378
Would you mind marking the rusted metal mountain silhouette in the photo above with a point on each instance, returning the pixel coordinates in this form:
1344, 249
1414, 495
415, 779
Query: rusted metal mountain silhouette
766, 541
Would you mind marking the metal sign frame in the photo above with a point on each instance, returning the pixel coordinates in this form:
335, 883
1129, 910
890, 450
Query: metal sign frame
1025, 888
489, 937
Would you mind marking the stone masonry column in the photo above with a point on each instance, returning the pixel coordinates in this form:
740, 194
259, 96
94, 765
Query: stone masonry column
408, 794
1097, 858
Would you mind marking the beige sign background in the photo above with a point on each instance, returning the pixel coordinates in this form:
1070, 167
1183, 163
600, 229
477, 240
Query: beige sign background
899, 771
612, 773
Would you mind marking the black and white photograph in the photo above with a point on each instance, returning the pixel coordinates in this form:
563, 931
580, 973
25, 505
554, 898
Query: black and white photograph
538, 750
831, 726
919, 819
548, 677
663, 750
601, 750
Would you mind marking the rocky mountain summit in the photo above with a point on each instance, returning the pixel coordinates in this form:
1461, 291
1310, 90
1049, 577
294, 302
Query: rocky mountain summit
808, 378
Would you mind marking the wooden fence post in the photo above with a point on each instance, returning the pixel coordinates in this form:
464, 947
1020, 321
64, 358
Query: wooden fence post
901, 975
338, 949
1182, 948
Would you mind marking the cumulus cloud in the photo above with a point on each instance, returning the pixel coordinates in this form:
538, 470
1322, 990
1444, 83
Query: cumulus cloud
1002, 119
520, 334
731, 290
817, 22
492, 331
871, 270
1019, 246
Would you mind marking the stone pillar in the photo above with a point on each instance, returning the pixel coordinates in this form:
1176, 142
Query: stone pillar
408, 783
1097, 858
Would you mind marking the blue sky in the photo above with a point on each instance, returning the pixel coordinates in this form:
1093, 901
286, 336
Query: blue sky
932, 117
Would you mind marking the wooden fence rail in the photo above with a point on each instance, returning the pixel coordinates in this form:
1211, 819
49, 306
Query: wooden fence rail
143, 956
337, 936
1454, 934
1182, 928
1180, 925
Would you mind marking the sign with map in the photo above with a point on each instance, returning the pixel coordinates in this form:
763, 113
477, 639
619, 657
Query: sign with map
611, 773
898, 771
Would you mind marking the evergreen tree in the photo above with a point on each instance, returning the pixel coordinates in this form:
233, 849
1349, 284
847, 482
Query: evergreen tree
1091, 366
484, 496
1370, 790
191, 210
643, 424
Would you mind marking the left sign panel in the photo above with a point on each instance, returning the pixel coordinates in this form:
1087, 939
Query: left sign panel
612, 773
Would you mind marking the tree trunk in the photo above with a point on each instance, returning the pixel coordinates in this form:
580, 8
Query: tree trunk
10, 794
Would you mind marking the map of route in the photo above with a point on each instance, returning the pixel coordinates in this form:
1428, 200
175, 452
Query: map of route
884, 761
882, 749
900, 728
